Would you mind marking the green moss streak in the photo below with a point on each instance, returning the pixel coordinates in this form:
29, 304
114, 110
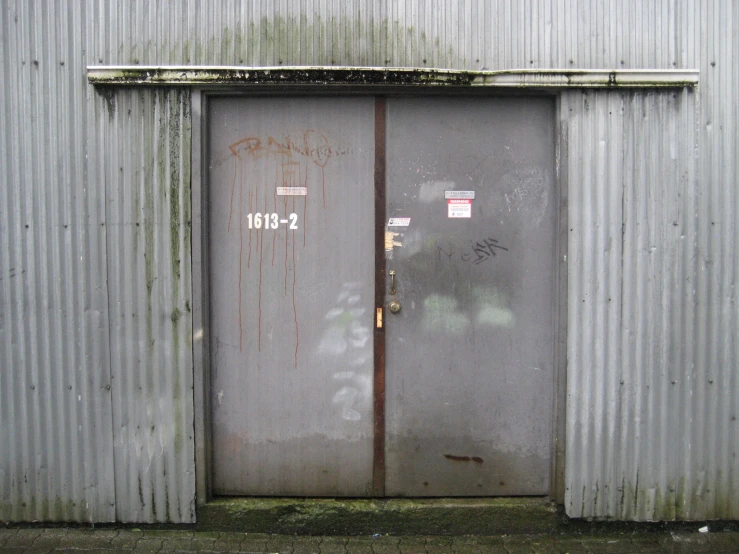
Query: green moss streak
148, 223
321, 32
108, 95
186, 173
282, 44
173, 151
180, 228
252, 39
239, 51
226, 42
162, 158
307, 37
266, 34
335, 53
345, 40
297, 43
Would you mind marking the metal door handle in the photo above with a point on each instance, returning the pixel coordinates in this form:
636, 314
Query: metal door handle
392, 281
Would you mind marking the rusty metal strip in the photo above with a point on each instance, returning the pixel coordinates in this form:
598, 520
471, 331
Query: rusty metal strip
378, 468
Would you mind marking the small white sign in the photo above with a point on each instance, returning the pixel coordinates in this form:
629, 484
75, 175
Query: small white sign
459, 208
466, 194
292, 191
399, 222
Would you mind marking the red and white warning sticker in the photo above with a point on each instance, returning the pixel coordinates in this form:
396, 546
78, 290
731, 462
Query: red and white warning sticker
459, 207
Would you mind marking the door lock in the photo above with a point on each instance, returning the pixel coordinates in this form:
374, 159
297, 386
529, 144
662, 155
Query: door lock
394, 306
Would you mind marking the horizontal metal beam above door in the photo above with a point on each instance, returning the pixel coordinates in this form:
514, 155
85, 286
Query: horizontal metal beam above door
548, 79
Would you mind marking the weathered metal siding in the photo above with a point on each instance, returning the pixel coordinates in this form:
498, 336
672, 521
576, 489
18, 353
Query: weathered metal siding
147, 181
56, 440
471, 34
633, 224
96, 381
77, 454
652, 370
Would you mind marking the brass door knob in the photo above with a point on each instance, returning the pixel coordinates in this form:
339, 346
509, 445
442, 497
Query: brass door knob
394, 306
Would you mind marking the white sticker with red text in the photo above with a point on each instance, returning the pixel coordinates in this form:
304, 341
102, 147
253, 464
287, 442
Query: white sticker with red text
459, 207
292, 191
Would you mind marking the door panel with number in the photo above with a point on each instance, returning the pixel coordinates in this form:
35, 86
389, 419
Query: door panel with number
291, 295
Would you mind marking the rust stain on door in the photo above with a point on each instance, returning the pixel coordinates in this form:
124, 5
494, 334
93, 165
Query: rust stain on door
454, 458
291, 157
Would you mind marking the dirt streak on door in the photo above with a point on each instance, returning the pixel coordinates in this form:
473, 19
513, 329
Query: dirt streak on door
290, 158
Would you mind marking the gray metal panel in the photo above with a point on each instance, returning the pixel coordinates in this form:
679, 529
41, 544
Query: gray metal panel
147, 175
56, 444
292, 304
470, 355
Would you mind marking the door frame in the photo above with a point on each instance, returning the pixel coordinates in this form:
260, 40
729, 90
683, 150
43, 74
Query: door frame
200, 280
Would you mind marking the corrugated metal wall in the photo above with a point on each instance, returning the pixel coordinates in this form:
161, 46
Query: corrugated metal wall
147, 180
96, 413
633, 224
95, 285
459, 34
56, 414
653, 384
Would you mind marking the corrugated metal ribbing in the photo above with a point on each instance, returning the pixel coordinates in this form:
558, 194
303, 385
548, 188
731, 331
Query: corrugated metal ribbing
711, 468
653, 320
149, 264
630, 231
474, 34
56, 454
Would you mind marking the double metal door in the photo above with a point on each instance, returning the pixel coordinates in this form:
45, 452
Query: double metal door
323, 214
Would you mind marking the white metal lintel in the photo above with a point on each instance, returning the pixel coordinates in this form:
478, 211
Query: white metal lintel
552, 79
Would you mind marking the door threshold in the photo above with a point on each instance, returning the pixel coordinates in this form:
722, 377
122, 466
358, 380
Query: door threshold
397, 516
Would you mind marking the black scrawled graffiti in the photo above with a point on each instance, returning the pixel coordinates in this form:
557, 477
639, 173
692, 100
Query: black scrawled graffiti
482, 251
477, 253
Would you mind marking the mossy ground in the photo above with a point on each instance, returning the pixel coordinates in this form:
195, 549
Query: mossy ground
395, 517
